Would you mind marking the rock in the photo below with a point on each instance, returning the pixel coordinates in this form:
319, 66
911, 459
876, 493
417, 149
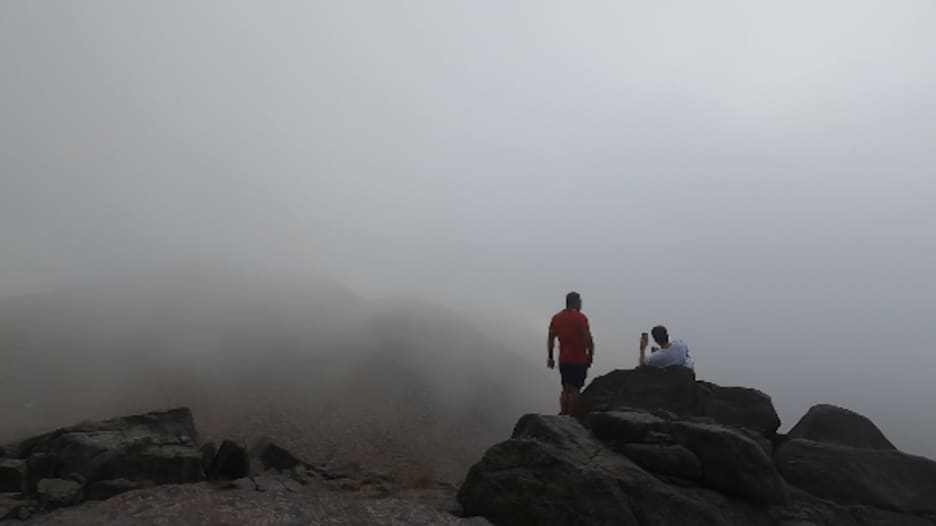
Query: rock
887, 479
671, 389
837, 425
674, 390
231, 462
58, 493
553, 471
730, 462
273, 456
41, 466
105, 489
154, 446
740, 407
13, 475
15, 507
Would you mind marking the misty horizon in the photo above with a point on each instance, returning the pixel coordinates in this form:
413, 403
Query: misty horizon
757, 178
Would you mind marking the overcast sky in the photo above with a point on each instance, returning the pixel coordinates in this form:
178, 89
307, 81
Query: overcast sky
757, 175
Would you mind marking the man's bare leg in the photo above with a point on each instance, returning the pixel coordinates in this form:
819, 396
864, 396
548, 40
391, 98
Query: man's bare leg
564, 401
572, 404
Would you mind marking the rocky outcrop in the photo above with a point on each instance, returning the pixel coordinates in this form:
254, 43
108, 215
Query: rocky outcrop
885, 479
675, 390
656, 447
837, 425
554, 471
101, 460
98, 460
727, 460
161, 447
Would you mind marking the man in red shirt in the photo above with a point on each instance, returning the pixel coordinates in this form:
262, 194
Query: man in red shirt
576, 351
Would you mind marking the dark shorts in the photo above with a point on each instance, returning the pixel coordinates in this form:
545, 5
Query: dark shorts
573, 374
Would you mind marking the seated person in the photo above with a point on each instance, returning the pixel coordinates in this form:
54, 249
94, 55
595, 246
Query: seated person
675, 353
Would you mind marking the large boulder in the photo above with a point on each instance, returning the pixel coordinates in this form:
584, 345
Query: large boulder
13, 475
727, 460
887, 479
158, 447
675, 390
670, 389
837, 425
273, 456
740, 407
554, 471
230, 463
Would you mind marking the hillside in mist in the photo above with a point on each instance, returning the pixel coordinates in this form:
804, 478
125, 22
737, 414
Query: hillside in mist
392, 384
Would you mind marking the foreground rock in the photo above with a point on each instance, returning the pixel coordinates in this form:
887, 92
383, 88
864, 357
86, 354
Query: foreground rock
230, 462
203, 505
146, 454
675, 390
160, 447
837, 425
554, 471
658, 448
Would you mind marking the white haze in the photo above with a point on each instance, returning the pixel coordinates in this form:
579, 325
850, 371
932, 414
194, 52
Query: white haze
758, 176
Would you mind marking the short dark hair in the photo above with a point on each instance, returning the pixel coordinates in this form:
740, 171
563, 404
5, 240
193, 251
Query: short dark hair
573, 299
660, 334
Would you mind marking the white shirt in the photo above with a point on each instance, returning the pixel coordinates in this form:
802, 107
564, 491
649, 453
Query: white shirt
676, 354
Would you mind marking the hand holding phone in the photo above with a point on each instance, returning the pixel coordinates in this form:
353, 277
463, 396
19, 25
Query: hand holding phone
644, 340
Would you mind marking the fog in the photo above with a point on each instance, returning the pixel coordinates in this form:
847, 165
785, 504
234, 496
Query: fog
757, 177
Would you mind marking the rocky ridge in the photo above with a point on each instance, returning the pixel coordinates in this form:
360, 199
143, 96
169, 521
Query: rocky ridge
657, 447
153, 465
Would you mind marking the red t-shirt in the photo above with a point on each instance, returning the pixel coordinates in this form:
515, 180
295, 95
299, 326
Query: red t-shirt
571, 327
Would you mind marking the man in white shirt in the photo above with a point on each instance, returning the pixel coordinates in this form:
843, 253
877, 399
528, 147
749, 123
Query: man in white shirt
669, 354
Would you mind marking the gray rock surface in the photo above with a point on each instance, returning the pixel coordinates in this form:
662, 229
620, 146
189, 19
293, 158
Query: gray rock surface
725, 459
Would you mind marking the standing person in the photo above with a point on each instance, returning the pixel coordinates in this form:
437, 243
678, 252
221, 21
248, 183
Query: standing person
576, 351
669, 354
